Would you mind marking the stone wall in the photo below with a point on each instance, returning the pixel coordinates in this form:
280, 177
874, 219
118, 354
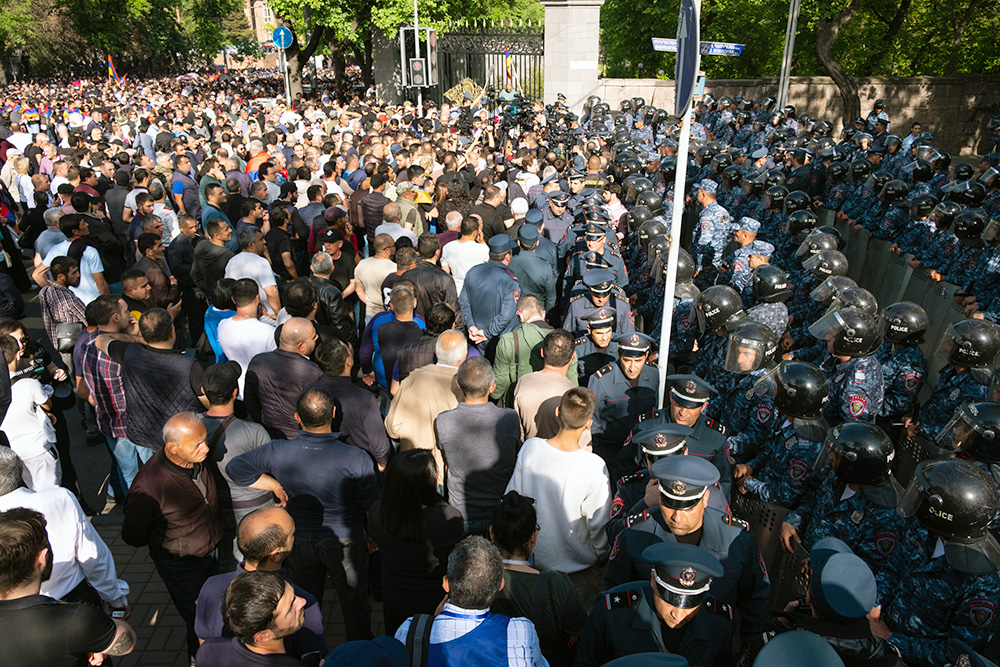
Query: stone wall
947, 107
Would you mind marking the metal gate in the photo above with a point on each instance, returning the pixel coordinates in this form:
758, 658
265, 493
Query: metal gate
472, 49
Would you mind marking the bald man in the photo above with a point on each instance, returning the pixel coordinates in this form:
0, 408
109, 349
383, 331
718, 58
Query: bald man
265, 539
173, 508
275, 379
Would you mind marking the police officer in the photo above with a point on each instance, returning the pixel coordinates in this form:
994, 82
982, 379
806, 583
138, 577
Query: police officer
555, 217
534, 275
856, 504
749, 417
769, 289
684, 516
545, 249
596, 240
972, 434
904, 366
841, 592
489, 295
717, 309
783, 471
855, 375
689, 394
971, 347
599, 295
623, 390
596, 349
671, 612
944, 582
575, 181
713, 232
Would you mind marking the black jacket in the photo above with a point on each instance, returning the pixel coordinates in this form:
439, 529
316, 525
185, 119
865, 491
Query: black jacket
434, 286
332, 311
273, 384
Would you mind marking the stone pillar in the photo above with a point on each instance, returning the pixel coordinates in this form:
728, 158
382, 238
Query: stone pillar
572, 36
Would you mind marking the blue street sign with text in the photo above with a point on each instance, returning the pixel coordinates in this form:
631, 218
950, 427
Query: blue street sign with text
707, 48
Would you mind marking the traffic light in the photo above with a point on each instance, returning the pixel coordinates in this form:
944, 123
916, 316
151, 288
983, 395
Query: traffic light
418, 72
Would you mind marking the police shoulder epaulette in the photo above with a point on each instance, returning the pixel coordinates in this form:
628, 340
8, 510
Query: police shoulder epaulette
580, 341
510, 273
629, 597
636, 518
633, 476
649, 415
736, 522
574, 298
714, 424
601, 372
719, 608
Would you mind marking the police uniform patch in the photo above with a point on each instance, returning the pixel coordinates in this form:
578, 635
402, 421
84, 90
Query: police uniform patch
706, 225
982, 612
885, 542
856, 405
798, 469
760, 562
678, 487
859, 376
687, 576
910, 381
621, 599
617, 505
614, 551
856, 517
954, 394
763, 413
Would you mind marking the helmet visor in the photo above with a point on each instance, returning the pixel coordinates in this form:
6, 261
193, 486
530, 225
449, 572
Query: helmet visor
961, 432
767, 385
992, 230
828, 326
826, 290
911, 500
744, 355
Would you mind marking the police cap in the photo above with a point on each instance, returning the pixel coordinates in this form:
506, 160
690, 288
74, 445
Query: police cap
559, 197
633, 344
663, 439
683, 480
499, 244
528, 235
708, 186
761, 248
683, 572
841, 583
690, 391
797, 648
747, 224
593, 231
599, 281
600, 319
533, 217
576, 175
758, 154
657, 660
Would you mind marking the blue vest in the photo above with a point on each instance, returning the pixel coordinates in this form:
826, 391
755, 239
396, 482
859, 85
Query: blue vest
486, 646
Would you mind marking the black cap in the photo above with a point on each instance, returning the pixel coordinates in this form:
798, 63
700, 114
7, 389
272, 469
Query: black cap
690, 391
683, 480
633, 344
331, 235
663, 439
683, 572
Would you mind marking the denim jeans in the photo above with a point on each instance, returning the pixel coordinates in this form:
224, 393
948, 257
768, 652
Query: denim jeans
129, 457
316, 553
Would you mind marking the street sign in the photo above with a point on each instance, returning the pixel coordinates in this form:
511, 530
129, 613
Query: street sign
282, 37
707, 48
688, 56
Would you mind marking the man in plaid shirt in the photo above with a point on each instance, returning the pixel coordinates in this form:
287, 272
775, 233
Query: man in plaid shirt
99, 382
58, 302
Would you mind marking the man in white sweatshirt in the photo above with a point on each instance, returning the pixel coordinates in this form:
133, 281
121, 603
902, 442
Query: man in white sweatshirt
570, 486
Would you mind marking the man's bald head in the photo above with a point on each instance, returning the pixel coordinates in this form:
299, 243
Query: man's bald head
451, 348
265, 537
391, 212
382, 241
298, 335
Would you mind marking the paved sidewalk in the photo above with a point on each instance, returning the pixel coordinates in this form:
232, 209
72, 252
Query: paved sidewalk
159, 628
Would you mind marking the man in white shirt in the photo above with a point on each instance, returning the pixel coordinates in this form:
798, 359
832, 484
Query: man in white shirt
243, 336
83, 569
464, 252
372, 271
251, 263
92, 284
571, 488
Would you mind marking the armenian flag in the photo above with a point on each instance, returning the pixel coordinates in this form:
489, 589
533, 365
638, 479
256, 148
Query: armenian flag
112, 72
508, 62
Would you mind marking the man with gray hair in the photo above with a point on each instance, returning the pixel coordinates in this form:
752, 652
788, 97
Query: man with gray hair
453, 228
391, 215
426, 393
332, 311
250, 263
465, 626
480, 442
83, 569
52, 235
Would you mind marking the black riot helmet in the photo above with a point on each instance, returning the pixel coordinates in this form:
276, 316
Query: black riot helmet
704, 155
661, 116
628, 188
822, 128
668, 169
776, 196
721, 161
751, 346
955, 500
892, 140
922, 171
963, 171
825, 264
638, 103
802, 220
733, 176
775, 177
754, 185
863, 453
816, 242
940, 160
973, 432
834, 232
637, 215
718, 306
880, 178
770, 284
625, 105
797, 200
638, 186
629, 166
650, 230
894, 192
853, 332
650, 200
856, 297
658, 248
973, 343
945, 213
837, 171
922, 205
827, 290
968, 193
860, 170
799, 388
969, 225
903, 323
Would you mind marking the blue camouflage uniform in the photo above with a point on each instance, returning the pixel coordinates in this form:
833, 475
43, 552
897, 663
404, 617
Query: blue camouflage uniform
964, 264
985, 282
940, 252
772, 315
783, 470
865, 519
926, 602
745, 584
856, 389
749, 417
892, 163
904, 370
834, 194
888, 225
952, 390
711, 357
713, 233
919, 234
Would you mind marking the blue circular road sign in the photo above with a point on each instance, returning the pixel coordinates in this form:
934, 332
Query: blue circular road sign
282, 37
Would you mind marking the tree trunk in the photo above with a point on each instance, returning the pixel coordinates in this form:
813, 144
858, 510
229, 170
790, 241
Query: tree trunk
889, 38
339, 60
298, 56
956, 39
826, 34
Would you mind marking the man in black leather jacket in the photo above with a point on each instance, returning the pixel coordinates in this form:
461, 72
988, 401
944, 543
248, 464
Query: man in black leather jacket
332, 311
